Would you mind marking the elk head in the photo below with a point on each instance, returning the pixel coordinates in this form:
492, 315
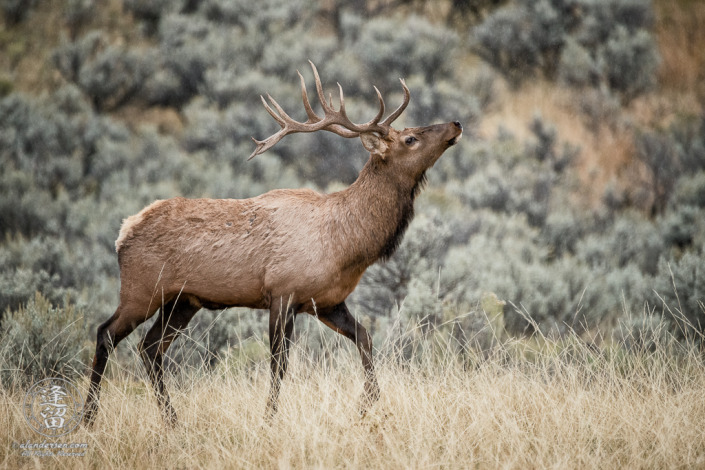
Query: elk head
411, 151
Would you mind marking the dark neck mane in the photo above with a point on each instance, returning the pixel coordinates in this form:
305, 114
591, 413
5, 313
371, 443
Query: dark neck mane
405, 218
382, 209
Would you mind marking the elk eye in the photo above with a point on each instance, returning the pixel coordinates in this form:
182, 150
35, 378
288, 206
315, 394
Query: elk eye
410, 140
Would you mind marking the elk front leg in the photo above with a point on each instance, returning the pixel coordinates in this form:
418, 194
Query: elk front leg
173, 318
281, 326
340, 320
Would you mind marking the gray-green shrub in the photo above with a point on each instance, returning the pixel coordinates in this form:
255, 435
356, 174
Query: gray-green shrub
40, 340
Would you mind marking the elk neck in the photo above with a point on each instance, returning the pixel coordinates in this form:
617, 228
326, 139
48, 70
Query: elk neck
372, 214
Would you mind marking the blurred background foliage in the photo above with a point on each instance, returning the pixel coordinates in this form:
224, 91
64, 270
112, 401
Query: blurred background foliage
576, 200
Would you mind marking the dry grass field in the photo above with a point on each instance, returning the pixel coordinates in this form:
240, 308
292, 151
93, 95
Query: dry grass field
523, 404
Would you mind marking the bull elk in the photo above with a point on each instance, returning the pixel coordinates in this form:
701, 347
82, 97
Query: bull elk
289, 251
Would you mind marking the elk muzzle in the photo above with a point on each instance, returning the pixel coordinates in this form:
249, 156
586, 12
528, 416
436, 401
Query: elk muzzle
459, 129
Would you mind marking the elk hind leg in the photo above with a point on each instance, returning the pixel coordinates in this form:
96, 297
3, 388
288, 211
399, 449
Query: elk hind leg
281, 327
339, 319
173, 317
109, 334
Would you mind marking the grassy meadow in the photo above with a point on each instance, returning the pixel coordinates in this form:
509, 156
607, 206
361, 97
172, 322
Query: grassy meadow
535, 403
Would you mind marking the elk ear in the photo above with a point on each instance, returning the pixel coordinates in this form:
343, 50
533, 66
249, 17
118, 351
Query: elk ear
374, 144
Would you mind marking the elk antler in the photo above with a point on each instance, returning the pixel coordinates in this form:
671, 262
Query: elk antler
333, 121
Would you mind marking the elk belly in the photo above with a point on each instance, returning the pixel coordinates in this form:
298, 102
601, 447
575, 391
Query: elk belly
316, 288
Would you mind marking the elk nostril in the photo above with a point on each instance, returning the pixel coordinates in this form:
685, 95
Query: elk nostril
458, 125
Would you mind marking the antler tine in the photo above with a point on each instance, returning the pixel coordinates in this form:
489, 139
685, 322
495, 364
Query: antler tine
312, 116
284, 118
284, 121
328, 108
264, 145
407, 96
372, 124
342, 101
375, 120
346, 128
271, 112
319, 89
